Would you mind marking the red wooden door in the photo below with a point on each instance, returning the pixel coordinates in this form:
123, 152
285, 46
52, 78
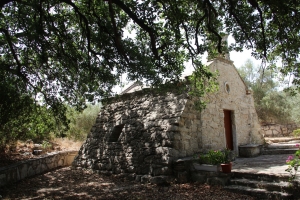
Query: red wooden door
228, 129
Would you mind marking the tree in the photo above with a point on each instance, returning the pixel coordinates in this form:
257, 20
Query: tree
82, 122
294, 101
64, 50
21, 117
272, 104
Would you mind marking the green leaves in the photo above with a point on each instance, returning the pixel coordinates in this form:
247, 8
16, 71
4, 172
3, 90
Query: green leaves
71, 51
86, 39
272, 104
202, 82
213, 157
82, 122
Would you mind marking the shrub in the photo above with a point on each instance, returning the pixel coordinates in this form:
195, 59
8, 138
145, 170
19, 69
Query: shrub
213, 157
293, 163
82, 122
296, 133
216, 157
37, 123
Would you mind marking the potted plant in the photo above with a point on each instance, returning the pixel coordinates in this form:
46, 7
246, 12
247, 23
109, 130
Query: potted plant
215, 157
226, 165
210, 161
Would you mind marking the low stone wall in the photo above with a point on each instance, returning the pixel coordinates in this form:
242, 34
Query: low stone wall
278, 130
186, 171
15, 172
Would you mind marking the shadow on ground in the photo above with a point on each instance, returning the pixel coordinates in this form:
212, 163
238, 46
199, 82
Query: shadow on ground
66, 183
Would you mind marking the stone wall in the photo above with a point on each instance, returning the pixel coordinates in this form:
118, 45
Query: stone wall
200, 132
134, 135
13, 173
188, 170
140, 134
278, 130
188, 138
234, 96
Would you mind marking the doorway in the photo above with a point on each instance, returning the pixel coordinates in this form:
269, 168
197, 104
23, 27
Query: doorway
228, 129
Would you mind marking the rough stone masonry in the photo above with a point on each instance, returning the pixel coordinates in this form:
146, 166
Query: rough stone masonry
136, 135
140, 134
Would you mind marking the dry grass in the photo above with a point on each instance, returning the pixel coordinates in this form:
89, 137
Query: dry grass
67, 144
23, 150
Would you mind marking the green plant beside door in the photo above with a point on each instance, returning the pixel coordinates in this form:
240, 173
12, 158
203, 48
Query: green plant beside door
226, 165
213, 157
217, 157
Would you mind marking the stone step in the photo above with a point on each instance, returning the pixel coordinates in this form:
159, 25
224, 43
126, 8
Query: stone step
258, 192
281, 186
283, 139
282, 146
292, 141
260, 177
278, 151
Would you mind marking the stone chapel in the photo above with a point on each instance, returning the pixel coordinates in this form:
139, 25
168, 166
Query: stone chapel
141, 133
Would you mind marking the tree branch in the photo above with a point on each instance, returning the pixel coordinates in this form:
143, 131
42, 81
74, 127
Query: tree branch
86, 23
11, 46
197, 31
210, 29
117, 37
238, 21
141, 23
255, 5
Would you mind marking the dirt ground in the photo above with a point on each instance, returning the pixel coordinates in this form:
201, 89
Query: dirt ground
66, 183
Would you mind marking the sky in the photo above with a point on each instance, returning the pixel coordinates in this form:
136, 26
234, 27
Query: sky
238, 58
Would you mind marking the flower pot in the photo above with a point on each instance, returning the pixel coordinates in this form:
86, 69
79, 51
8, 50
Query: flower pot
226, 168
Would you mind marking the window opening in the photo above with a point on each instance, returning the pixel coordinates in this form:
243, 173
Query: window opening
227, 88
116, 132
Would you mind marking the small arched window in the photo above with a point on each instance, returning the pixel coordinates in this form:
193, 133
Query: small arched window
227, 87
116, 132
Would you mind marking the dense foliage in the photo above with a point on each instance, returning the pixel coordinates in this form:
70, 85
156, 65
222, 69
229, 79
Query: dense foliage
76, 51
272, 103
37, 123
82, 122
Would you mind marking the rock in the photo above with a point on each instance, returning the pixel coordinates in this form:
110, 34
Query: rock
37, 152
160, 180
